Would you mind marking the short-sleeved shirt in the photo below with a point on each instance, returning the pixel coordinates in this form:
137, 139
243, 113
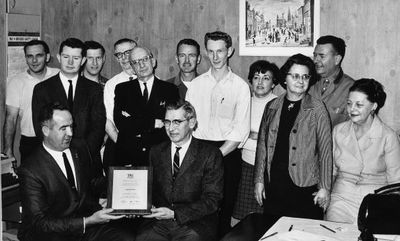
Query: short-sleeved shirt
109, 92
19, 95
222, 107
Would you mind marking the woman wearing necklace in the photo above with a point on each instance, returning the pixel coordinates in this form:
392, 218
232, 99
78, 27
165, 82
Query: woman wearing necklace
263, 77
293, 167
366, 152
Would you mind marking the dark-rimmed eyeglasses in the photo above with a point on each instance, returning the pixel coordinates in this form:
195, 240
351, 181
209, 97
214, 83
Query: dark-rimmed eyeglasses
126, 53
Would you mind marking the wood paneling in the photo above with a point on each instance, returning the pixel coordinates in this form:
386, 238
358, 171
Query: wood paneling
369, 27
3, 66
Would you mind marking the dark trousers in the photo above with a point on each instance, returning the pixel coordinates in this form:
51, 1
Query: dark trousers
27, 145
109, 155
165, 230
232, 173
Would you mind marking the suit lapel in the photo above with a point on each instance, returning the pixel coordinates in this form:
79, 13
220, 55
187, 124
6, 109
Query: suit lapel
54, 166
189, 158
59, 89
350, 141
166, 161
80, 94
75, 158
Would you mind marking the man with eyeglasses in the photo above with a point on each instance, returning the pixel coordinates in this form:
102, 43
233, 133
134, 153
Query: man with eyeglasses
83, 98
222, 102
122, 50
19, 97
139, 110
187, 57
333, 85
188, 182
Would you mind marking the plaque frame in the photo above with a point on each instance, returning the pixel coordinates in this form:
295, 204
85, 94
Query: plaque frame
138, 212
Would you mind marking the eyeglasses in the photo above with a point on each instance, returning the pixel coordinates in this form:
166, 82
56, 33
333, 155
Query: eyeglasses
174, 123
145, 59
297, 77
120, 55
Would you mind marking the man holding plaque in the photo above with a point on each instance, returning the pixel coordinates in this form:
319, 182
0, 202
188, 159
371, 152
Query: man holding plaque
57, 189
187, 182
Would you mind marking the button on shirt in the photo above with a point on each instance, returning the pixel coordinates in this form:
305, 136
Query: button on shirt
57, 156
19, 95
65, 83
223, 108
182, 152
109, 92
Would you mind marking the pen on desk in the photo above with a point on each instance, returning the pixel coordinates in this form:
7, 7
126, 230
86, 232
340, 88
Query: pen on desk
222, 100
291, 227
269, 235
333, 231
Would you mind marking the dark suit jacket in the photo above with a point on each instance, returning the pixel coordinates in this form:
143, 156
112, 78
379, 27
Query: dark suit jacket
51, 209
196, 193
88, 110
135, 119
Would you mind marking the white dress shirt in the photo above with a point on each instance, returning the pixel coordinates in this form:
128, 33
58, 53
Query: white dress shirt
182, 152
149, 85
65, 83
222, 107
57, 156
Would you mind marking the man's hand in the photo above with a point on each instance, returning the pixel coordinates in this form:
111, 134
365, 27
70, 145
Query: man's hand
322, 197
259, 193
161, 213
102, 216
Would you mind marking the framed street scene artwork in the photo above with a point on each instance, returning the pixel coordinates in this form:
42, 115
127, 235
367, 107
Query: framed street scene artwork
278, 27
129, 190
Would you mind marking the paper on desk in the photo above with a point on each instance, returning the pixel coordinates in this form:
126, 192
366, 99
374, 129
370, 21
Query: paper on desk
297, 235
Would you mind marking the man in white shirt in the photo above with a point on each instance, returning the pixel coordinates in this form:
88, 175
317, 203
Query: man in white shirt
122, 50
222, 101
19, 97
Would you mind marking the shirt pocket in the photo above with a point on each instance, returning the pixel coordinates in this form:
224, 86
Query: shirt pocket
226, 108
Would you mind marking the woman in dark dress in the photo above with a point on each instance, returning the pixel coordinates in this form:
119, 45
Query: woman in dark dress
293, 167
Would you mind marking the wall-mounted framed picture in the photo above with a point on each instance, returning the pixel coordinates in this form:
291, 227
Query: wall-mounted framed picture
278, 27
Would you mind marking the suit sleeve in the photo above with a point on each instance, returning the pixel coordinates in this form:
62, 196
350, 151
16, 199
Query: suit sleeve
392, 160
212, 186
261, 151
118, 117
97, 122
37, 104
36, 210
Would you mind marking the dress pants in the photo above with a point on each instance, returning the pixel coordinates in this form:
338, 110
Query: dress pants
167, 230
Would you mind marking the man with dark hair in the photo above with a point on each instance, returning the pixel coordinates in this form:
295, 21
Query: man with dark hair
188, 182
222, 102
19, 97
95, 59
187, 57
122, 50
57, 186
82, 96
139, 110
333, 85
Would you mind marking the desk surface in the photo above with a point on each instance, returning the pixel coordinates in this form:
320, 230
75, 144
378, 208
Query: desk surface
310, 229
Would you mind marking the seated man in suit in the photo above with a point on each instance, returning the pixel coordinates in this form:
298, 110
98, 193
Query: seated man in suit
187, 182
139, 109
83, 97
57, 189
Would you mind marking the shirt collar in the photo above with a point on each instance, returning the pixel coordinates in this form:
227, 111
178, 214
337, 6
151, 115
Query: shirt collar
226, 78
64, 79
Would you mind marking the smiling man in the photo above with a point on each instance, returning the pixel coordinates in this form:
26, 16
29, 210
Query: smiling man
188, 182
222, 101
83, 97
333, 85
139, 110
187, 57
19, 97
95, 59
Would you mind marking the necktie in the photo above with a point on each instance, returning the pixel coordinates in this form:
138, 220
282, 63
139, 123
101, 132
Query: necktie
176, 163
70, 98
70, 175
145, 93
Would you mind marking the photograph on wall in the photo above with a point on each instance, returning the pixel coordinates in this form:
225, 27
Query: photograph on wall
278, 27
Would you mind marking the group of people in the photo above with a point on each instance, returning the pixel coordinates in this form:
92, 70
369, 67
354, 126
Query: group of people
221, 148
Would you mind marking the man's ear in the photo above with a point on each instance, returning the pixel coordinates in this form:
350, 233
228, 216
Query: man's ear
199, 59
59, 58
192, 123
45, 130
176, 59
338, 59
230, 51
48, 57
83, 61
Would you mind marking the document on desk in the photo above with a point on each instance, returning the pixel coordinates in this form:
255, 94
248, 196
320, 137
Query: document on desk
297, 235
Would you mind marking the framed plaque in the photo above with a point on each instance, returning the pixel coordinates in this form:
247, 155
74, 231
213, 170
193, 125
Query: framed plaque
129, 190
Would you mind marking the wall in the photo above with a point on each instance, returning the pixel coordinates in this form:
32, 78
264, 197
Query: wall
3, 66
369, 27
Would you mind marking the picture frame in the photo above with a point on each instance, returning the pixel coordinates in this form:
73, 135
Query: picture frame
130, 190
278, 27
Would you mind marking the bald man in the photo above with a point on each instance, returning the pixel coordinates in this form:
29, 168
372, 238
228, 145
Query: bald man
140, 109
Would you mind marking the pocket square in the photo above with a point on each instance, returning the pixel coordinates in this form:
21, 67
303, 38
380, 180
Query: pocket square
126, 114
162, 103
